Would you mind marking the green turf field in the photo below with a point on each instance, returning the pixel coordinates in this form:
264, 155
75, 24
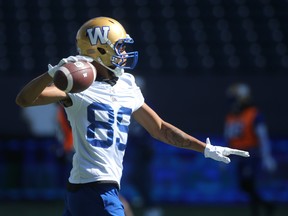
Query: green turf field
54, 208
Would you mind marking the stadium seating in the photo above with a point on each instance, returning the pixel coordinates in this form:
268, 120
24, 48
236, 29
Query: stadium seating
191, 37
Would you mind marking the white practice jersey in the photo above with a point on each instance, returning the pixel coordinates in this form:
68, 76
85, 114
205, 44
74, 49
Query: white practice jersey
100, 117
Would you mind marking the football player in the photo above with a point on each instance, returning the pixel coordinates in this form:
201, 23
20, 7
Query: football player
246, 129
100, 116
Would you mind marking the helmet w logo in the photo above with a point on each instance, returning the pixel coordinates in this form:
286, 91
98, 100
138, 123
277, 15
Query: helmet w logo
98, 34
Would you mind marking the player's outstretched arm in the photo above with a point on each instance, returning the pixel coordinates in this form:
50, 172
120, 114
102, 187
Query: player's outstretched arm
172, 135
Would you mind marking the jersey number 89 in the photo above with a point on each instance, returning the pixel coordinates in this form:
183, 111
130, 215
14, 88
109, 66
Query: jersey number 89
108, 125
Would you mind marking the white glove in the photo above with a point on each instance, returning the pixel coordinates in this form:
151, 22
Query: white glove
220, 153
82, 58
53, 69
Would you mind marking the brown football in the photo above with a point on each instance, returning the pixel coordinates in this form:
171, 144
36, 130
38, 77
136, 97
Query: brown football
74, 77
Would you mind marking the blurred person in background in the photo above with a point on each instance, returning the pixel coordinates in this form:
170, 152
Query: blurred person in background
64, 149
246, 129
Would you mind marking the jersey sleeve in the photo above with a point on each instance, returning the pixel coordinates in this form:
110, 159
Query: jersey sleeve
138, 96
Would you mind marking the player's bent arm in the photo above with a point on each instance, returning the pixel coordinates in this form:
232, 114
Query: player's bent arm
39, 92
164, 131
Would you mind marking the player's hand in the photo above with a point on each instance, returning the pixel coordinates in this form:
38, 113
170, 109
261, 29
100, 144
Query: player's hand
53, 69
220, 153
78, 58
84, 58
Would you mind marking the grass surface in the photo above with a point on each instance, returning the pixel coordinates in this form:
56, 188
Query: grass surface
54, 208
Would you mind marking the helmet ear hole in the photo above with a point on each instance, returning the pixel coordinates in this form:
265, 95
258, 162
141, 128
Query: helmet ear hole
101, 50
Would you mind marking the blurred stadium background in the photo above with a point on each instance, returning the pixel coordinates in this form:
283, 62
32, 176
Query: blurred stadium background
190, 51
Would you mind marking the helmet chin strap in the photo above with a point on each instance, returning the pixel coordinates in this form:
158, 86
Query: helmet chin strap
117, 71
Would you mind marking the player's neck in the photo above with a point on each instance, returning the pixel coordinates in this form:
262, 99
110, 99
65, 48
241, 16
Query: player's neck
103, 72
105, 75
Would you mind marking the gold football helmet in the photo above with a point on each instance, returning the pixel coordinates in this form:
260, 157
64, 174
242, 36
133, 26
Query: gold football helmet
105, 40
